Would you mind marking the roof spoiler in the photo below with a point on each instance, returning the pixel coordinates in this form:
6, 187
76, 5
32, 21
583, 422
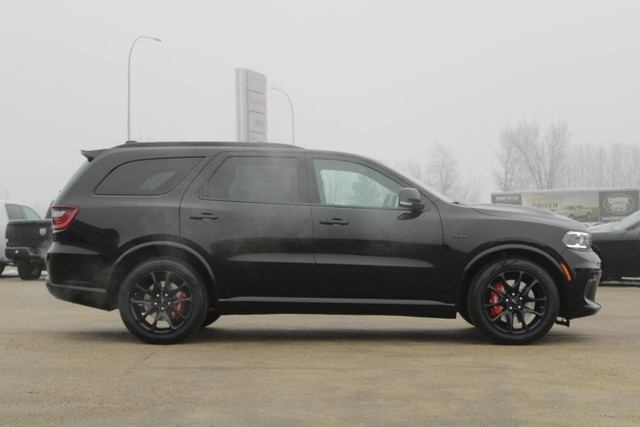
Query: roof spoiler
91, 154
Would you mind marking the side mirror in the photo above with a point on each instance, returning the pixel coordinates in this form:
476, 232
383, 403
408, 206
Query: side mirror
409, 198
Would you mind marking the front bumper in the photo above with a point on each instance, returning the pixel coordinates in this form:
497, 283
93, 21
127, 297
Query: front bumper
584, 267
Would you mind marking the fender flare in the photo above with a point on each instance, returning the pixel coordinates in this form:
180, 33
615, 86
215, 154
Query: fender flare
469, 267
159, 243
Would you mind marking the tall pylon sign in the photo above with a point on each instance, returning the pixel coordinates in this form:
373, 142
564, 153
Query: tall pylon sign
251, 106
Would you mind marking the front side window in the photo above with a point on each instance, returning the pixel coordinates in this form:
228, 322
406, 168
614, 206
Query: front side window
149, 177
255, 179
342, 183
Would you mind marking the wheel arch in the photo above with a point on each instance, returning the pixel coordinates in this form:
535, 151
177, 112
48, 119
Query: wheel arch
539, 256
159, 249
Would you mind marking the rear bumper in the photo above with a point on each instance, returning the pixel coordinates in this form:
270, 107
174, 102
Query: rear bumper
24, 254
80, 276
80, 293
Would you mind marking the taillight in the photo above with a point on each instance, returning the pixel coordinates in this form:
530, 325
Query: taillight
61, 216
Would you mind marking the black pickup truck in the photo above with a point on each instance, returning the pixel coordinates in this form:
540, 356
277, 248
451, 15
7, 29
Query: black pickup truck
27, 245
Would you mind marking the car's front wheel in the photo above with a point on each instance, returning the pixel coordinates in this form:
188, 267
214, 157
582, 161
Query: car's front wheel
162, 301
513, 301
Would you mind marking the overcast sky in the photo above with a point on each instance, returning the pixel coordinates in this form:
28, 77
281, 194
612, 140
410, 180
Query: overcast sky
381, 78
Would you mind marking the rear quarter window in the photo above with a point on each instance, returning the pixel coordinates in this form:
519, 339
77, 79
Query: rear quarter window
149, 177
14, 212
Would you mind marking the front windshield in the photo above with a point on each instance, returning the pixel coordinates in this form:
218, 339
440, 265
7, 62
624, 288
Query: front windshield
629, 222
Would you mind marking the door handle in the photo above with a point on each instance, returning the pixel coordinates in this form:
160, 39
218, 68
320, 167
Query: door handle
204, 216
335, 222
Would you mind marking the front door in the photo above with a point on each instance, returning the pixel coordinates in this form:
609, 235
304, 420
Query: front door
365, 245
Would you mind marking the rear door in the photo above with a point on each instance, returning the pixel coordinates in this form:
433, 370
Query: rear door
365, 245
249, 213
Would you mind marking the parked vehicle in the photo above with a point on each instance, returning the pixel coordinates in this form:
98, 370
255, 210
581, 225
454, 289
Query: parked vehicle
27, 244
618, 245
176, 234
12, 211
577, 212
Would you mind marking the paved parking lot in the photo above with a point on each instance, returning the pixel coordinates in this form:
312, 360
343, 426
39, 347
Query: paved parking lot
66, 364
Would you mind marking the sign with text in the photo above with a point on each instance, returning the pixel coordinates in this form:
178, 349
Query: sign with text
251, 106
604, 205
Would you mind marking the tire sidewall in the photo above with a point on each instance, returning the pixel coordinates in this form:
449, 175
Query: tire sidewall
476, 293
28, 270
199, 301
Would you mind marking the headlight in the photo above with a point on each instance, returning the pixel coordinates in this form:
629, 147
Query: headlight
577, 240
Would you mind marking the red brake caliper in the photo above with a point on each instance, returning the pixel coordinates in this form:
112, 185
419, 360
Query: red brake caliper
495, 298
180, 306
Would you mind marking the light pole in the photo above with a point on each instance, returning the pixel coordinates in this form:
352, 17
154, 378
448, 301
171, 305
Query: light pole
129, 83
293, 132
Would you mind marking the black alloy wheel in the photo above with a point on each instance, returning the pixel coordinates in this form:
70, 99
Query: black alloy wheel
28, 270
162, 301
513, 301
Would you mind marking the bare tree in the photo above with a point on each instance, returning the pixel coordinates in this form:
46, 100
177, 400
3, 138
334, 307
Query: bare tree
555, 143
542, 157
441, 173
596, 166
511, 174
443, 168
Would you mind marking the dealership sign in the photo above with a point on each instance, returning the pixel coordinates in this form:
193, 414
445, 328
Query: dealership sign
583, 205
251, 106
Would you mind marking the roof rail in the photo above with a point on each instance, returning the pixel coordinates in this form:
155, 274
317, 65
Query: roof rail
208, 144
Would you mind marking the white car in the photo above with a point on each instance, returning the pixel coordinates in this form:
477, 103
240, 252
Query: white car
575, 212
10, 211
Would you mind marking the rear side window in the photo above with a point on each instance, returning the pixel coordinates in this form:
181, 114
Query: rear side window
14, 212
149, 177
255, 179
30, 213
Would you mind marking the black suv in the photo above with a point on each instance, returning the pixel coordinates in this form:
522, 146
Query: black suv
176, 234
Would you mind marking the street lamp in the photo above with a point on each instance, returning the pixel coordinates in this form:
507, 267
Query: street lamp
293, 134
129, 83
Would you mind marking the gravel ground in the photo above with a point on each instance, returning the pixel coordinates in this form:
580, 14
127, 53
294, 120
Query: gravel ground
66, 364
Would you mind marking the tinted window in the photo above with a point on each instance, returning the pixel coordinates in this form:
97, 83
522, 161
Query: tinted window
147, 177
30, 213
255, 179
14, 212
343, 183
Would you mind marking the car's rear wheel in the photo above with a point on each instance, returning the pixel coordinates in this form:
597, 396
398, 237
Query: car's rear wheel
1, 268
162, 301
513, 301
28, 270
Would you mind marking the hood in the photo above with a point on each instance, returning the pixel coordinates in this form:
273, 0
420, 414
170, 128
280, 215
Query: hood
602, 228
538, 215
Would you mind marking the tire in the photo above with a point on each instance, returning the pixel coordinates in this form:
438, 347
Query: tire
465, 315
513, 301
211, 317
162, 301
1, 268
28, 270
